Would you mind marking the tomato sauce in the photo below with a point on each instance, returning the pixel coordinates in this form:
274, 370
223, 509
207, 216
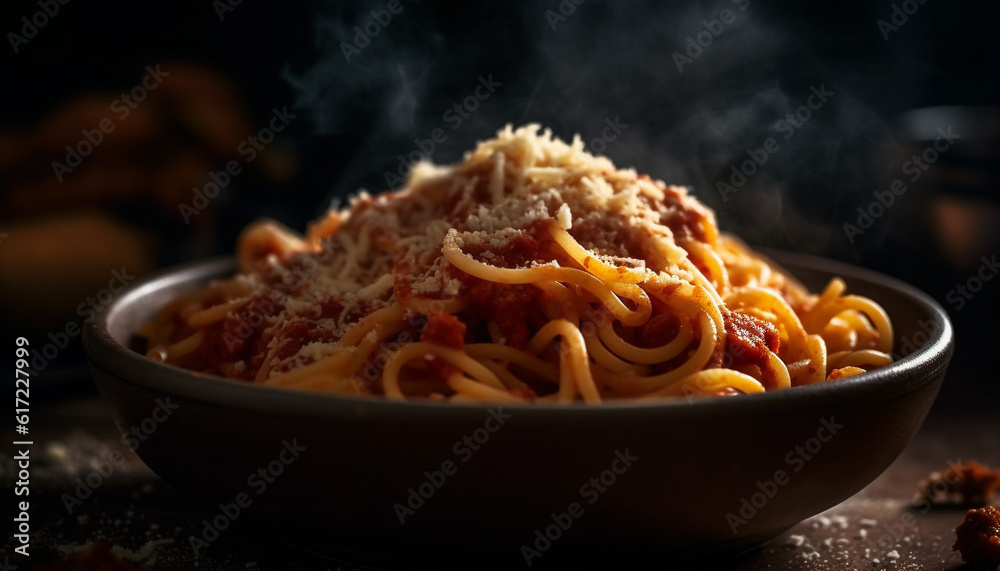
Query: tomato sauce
748, 342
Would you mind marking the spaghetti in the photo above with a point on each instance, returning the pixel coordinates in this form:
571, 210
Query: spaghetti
532, 271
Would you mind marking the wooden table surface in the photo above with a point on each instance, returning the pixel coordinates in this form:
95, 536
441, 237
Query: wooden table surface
150, 523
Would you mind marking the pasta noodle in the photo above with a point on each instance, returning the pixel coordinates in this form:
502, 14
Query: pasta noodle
532, 271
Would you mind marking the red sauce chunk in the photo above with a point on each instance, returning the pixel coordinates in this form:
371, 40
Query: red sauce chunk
969, 484
519, 252
748, 341
236, 337
444, 329
658, 331
685, 216
514, 308
978, 537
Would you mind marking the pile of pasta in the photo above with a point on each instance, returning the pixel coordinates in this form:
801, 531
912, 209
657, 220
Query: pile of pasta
531, 271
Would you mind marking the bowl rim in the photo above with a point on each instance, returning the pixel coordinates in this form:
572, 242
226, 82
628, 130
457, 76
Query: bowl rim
106, 353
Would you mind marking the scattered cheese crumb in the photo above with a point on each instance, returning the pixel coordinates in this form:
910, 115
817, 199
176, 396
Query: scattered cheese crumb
453, 287
144, 552
564, 217
796, 540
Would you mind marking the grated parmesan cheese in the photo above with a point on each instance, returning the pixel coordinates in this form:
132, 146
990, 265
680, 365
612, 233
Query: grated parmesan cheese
388, 246
564, 217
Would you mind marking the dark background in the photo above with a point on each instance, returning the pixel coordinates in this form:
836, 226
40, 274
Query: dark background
605, 61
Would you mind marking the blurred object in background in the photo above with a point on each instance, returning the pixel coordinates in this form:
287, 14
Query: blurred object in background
958, 190
118, 184
956, 215
152, 142
49, 265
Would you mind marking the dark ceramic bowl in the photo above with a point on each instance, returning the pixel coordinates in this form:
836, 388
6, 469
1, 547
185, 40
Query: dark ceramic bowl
696, 478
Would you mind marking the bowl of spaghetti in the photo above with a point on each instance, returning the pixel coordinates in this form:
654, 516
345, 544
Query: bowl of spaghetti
486, 353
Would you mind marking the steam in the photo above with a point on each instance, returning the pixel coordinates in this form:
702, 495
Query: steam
689, 121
